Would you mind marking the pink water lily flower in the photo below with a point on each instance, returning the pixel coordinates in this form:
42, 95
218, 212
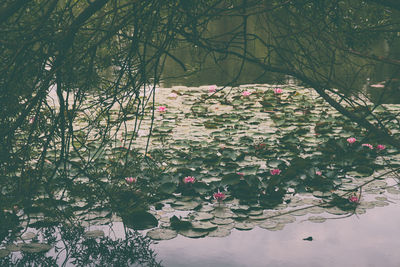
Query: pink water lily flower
353, 199
246, 93
32, 120
219, 196
278, 91
189, 179
275, 171
351, 140
162, 108
130, 180
368, 145
318, 173
212, 89
380, 147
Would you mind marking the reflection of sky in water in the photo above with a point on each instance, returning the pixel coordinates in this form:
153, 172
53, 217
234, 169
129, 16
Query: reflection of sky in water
373, 239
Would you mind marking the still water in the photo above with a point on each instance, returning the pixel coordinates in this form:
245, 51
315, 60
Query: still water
369, 240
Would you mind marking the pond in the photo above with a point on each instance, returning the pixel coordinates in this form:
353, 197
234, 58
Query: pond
254, 175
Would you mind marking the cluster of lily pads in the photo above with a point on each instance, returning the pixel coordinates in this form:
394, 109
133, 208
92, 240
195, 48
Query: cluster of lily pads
238, 158
259, 157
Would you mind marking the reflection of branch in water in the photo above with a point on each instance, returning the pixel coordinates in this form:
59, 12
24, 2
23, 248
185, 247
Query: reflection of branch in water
74, 247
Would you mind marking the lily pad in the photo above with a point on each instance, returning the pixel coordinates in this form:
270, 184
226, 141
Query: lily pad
193, 234
94, 233
244, 226
203, 226
161, 234
220, 232
268, 224
221, 221
28, 235
4, 253
202, 216
316, 219
35, 247
140, 220
285, 219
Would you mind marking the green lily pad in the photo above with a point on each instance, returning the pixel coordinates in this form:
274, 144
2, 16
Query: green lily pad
285, 219
140, 220
394, 191
202, 216
28, 235
219, 232
223, 213
278, 227
301, 212
14, 247
240, 208
206, 208
336, 211
259, 217
35, 247
161, 234
255, 212
203, 226
322, 194
268, 224
193, 234
316, 219
181, 205
244, 226
221, 221
4, 253
94, 233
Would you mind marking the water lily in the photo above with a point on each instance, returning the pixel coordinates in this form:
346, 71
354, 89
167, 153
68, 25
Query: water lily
260, 146
380, 147
368, 145
212, 89
130, 180
353, 199
351, 140
219, 196
275, 171
189, 179
246, 93
278, 91
162, 108
319, 173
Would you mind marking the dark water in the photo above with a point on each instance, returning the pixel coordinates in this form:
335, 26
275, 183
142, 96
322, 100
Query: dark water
203, 68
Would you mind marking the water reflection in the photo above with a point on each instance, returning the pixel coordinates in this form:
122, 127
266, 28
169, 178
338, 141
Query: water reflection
66, 245
197, 67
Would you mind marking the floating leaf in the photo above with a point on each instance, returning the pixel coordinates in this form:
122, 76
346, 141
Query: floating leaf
268, 224
35, 247
140, 220
161, 234
203, 226
193, 234
4, 253
316, 219
244, 226
28, 235
179, 224
202, 216
220, 232
221, 221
